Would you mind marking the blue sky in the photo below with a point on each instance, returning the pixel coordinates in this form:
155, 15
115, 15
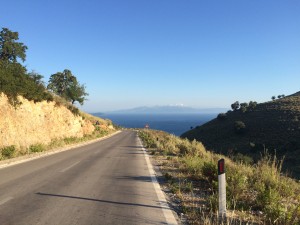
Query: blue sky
132, 53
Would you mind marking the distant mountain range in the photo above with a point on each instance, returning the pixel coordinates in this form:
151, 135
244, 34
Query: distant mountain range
167, 110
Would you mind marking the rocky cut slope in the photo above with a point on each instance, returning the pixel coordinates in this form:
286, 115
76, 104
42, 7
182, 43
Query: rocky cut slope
274, 125
38, 123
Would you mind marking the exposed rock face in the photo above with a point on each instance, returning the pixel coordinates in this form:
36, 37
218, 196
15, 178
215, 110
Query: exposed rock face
33, 123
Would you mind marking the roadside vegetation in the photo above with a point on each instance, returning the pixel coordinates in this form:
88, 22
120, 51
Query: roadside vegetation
12, 151
251, 128
257, 193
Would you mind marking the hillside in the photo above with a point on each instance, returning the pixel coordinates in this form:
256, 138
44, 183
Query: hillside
273, 125
40, 123
35, 117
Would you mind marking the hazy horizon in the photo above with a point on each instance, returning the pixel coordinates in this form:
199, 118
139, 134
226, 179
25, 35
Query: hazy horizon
161, 107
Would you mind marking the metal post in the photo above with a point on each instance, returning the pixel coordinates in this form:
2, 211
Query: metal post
222, 188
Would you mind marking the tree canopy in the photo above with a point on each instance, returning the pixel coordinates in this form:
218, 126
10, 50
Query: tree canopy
14, 79
65, 84
10, 49
235, 106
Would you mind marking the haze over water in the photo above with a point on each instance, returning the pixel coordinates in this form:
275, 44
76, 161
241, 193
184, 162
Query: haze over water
172, 123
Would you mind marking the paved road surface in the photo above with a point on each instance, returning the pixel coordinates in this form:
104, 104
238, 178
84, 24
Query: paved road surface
107, 182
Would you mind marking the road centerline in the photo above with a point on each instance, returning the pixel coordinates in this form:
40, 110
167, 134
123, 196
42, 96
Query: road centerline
5, 200
69, 167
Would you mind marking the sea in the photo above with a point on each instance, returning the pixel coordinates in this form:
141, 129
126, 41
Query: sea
175, 124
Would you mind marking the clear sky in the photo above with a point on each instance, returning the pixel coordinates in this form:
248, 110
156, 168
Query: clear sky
132, 53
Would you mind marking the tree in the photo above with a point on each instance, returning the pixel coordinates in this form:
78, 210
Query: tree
273, 98
239, 127
252, 105
76, 92
65, 84
279, 96
10, 49
60, 81
244, 106
235, 106
37, 78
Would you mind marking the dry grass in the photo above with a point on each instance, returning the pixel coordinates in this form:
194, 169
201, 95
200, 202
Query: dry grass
256, 193
274, 125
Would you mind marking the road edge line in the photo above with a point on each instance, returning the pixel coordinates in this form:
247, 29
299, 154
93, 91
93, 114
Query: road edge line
169, 216
19, 160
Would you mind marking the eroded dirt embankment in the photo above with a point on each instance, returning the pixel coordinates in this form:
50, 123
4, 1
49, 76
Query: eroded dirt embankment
32, 123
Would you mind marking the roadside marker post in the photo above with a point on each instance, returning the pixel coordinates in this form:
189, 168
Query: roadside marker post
222, 188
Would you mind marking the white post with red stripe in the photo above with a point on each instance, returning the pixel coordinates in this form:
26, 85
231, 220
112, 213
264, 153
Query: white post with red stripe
222, 188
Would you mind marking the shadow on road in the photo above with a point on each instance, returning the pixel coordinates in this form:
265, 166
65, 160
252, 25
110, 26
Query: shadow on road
136, 178
98, 200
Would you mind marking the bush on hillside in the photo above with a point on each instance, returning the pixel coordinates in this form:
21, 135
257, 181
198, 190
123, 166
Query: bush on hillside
222, 116
244, 107
8, 152
37, 148
210, 171
252, 105
235, 106
14, 81
239, 127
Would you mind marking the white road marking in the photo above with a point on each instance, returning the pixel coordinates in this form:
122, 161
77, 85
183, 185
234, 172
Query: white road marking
3, 201
170, 218
69, 167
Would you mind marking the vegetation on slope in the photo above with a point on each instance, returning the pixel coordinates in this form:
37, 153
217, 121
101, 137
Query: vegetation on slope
101, 130
257, 194
15, 80
272, 125
63, 88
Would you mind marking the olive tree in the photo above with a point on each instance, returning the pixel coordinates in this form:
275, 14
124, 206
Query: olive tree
10, 48
235, 106
65, 84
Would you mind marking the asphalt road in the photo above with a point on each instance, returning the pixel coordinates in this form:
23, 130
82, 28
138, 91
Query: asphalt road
107, 182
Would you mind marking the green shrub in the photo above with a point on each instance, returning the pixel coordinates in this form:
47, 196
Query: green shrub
71, 140
74, 110
210, 171
239, 127
252, 105
235, 106
148, 141
183, 148
15, 81
37, 148
240, 158
8, 152
170, 149
237, 187
244, 107
186, 186
192, 165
